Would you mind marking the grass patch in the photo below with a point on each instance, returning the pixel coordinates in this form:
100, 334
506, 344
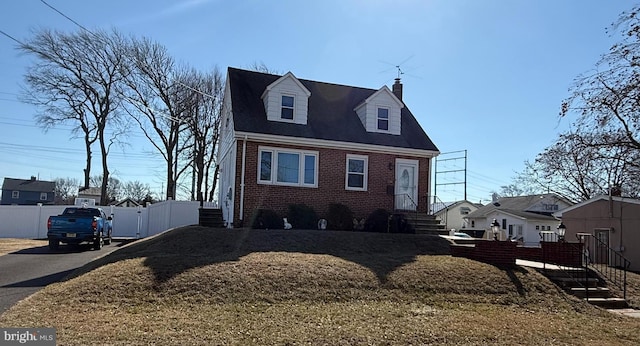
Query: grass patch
253, 287
9, 245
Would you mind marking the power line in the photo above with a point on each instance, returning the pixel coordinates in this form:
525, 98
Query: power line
64, 15
11, 37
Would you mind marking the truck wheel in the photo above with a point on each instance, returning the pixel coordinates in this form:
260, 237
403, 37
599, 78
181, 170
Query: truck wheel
97, 243
54, 244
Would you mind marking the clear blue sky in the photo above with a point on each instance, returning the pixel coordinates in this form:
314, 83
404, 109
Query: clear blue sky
483, 76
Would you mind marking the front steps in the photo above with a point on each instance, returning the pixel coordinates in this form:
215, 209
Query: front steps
591, 288
425, 224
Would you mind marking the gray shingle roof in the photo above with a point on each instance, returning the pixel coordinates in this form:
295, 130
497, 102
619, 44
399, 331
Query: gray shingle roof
331, 114
11, 184
512, 205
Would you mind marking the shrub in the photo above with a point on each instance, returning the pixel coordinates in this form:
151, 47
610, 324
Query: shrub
302, 216
377, 221
339, 217
265, 219
399, 224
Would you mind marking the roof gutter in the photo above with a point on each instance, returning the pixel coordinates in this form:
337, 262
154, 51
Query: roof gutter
323, 143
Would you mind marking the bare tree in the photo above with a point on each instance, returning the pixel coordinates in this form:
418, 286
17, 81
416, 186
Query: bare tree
576, 169
262, 67
114, 188
158, 103
607, 99
204, 125
73, 80
66, 190
136, 190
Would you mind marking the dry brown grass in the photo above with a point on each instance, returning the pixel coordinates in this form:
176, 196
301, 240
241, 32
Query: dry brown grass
9, 245
202, 286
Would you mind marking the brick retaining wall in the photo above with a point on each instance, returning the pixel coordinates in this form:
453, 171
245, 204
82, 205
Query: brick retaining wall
504, 253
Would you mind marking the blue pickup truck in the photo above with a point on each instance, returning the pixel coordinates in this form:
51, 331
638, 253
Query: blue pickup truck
80, 224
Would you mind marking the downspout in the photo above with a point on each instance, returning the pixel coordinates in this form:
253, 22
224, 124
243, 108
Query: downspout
244, 159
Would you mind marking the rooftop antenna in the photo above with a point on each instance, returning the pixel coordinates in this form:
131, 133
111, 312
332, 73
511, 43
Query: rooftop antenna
398, 67
399, 71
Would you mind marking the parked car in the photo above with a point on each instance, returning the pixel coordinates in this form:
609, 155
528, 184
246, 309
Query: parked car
462, 235
80, 224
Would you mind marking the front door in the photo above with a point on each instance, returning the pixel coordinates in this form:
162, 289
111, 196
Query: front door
406, 191
601, 254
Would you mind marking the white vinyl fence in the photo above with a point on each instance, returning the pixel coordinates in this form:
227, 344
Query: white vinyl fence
30, 222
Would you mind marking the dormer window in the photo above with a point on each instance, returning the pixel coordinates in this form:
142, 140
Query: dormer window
286, 111
383, 119
286, 100
381, 112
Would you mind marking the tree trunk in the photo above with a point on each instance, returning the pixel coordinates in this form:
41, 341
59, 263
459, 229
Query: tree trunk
87, 170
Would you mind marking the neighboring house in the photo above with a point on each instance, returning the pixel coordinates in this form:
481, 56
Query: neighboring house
90, 193
127, 202
286, 140
27, 192
521, 218
614, 220
452, 214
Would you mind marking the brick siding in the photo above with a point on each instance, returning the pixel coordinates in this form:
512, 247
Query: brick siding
331, 184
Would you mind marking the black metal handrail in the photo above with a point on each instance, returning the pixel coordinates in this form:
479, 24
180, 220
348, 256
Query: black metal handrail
575, 251
609, 263
436, 206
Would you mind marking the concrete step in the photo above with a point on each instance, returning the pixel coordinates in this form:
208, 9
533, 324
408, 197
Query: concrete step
594, 292
576, 282
608, 303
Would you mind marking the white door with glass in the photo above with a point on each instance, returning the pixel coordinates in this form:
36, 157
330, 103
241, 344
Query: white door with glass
406, 192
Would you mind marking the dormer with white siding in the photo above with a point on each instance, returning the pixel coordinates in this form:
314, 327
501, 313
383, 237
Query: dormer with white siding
380, 112
286, 100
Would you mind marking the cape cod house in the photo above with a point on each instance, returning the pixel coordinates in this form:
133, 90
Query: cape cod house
286, 141
27, 191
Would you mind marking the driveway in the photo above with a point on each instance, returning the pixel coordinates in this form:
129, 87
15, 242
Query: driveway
24, 272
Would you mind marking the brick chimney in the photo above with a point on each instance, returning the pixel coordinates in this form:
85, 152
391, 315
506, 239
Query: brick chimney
397, 89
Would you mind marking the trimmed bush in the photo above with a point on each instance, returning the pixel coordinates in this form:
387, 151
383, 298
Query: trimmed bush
339, 217
377, 221
399, 224
265, 219
302, 216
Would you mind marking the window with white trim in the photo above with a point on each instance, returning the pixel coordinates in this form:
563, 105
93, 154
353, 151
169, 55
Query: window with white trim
356, 175
15, 194
288, 167
286, 111
43, 196
383, 119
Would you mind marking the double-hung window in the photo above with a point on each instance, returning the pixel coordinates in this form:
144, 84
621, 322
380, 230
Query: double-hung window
15, 194
357, 168
288, 167
383, 119
43, 196
287, 107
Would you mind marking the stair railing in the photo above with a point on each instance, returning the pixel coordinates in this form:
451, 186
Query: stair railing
435, 204
574, 251
609, 263
407, 200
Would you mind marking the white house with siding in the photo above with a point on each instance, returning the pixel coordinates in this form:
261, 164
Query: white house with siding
521, 218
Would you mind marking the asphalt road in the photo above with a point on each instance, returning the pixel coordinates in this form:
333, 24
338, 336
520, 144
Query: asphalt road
24, 272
